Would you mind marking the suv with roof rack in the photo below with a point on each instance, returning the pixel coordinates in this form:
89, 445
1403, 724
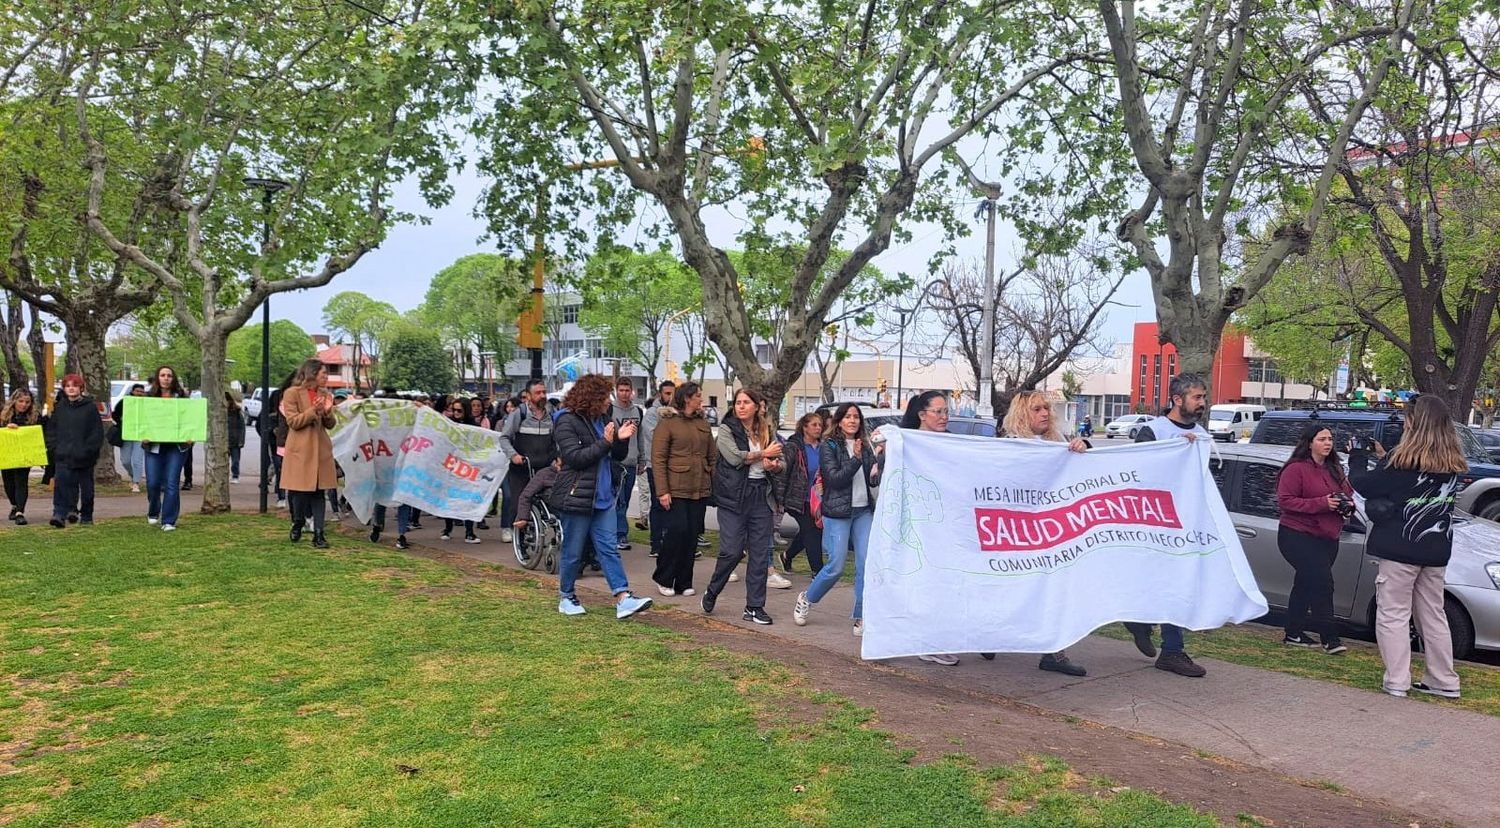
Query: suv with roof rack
1385, 423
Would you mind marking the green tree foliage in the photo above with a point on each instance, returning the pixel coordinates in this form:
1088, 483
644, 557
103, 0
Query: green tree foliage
166, 110
359, 319
290, 347
474, 303
415, 359
633, 300
826, 125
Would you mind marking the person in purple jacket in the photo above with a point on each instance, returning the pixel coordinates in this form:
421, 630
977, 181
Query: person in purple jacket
1315, 499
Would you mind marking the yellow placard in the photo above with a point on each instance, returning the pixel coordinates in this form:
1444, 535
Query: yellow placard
22, 447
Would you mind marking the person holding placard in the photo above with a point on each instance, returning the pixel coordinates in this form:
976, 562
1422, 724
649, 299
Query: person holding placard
74, 436
164, 460
132, 456
307, 470
19, 412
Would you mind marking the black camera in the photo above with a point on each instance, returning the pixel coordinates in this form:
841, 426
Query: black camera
1346, 504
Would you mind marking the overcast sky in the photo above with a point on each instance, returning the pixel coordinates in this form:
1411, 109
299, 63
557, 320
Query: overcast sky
401, 269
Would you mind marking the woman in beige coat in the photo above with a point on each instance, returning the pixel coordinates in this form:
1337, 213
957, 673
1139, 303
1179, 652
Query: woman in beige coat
307, 470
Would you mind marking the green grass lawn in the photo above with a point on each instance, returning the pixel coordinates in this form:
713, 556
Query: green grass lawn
1255, 645
220, 676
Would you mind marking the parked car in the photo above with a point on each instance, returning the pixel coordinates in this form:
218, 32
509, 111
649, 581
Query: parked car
1480, 494
119, 389
1125, 426
1246, 476
253, 405
1232, 422
1490, 439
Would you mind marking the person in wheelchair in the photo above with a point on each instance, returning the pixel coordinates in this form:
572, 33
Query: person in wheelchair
540, 482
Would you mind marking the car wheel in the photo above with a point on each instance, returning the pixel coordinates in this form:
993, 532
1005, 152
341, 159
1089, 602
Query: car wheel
1460, 627
1491, 510
1133, 432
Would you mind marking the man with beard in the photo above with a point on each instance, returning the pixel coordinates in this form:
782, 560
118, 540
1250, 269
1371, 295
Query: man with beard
1189, 402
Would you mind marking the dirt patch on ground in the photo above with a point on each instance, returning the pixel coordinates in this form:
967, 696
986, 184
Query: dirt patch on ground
936, 721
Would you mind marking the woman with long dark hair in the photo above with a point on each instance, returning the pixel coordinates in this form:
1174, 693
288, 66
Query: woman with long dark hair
683, 453
802, 453
1315, 499
1416, 486
307, 470
458, 411
744, 489
20, 410
164, 461
584, 492
850, 468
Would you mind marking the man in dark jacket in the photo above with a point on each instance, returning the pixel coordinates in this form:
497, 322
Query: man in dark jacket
74, 435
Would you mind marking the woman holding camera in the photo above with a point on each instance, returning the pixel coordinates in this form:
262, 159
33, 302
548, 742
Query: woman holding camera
1315, 499
1410, 495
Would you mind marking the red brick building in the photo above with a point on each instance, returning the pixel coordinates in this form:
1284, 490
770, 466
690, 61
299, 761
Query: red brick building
1152, 365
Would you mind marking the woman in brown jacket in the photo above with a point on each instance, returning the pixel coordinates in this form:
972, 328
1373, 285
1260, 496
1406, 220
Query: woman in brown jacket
682, 457
307, 470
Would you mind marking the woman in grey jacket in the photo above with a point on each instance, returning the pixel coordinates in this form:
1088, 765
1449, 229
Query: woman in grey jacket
851, 469
749, 457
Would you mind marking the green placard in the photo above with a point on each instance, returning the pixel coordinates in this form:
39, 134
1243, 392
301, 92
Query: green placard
22, 447
165, 420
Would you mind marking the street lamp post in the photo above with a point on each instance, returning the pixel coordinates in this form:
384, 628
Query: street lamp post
268, 188
901, 339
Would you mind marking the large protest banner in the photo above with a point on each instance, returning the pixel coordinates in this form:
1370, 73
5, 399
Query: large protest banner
165, 420
984, 545
22, 447
394, 452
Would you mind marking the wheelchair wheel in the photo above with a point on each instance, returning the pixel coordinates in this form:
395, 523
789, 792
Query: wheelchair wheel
552, 554
529, 542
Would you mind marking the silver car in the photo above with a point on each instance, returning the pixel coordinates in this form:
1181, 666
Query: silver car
1246, 475
1125, 426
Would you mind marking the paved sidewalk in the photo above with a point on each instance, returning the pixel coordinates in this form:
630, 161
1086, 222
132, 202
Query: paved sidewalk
1430, 758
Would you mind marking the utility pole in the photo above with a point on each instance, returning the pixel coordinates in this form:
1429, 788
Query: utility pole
990, 191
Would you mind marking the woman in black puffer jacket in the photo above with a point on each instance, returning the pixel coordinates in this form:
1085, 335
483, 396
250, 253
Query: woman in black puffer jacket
584, 493
1417, 485
851, 470
803, 460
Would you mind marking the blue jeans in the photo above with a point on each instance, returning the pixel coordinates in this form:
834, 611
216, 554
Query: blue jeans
597, 527
234, 462
622, 504
403, 518
1171, 638
133, 458
836, 532
163, 476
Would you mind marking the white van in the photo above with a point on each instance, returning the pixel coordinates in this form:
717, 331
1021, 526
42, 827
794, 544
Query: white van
1232, 422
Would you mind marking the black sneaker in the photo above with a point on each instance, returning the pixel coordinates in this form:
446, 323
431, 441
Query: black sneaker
1298, 641
483, 524
1421, 687
1141, 633
1334, 646
187, 487
401, 542
374, 534
786, 562
416, 524
1061, 664
1180, 664
85, 521
702, 540
20, 520
757, 615
653, 553
72, 517
709, 599
622, 546
55, 523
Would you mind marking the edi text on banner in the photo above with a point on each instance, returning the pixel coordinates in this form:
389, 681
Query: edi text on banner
984, 545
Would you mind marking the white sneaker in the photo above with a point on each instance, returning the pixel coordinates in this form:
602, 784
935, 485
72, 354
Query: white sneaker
859, 626
167, 527
690, 591
775, 581
281, 504
135, 488
800, 611
234, 480
570, 606
667, 591
506, 536
152, 521
734, 576
940, 658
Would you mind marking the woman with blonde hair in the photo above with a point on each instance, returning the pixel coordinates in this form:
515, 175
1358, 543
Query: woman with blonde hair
1409, 496
20, 410
1030, 418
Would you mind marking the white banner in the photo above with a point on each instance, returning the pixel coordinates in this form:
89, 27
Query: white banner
985, 545
394, 452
